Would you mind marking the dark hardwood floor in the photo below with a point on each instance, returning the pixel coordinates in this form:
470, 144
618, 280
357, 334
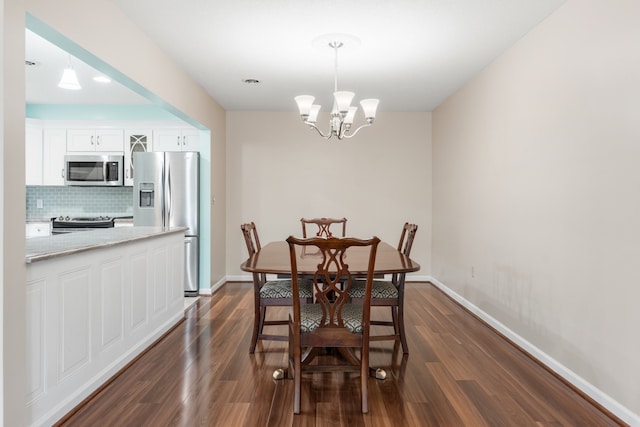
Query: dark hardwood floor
459, 373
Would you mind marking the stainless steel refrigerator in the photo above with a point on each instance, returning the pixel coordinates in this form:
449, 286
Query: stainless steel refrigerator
166, 193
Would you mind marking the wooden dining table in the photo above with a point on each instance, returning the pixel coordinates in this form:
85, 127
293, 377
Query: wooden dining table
274, 258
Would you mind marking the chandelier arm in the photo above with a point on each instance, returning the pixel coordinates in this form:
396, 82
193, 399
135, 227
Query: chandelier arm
313, 126
355, 131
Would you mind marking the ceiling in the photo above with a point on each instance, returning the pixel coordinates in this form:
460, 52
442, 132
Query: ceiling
42, 78
411, 54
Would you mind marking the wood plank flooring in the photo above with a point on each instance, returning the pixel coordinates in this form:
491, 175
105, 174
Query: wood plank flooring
459, 373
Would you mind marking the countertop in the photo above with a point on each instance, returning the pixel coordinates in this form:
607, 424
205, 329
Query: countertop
46, 247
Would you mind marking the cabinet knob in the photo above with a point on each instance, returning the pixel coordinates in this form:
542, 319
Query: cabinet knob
178, 139
62, 173
92, 140
184, 140
98, 140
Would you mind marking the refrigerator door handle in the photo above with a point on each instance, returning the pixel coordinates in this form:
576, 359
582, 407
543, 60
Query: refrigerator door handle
168, 195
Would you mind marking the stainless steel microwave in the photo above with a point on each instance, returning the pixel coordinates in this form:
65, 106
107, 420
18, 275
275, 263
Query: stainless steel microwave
94, 169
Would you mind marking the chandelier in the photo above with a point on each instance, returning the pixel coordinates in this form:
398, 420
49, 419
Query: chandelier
342, 114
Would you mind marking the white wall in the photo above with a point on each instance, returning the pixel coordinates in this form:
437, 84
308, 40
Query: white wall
12, 211
536, 188
280, 171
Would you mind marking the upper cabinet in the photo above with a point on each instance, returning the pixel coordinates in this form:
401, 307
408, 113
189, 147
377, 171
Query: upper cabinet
174, 139
44, 156
135, 140
47, 142
95, 140
54, 149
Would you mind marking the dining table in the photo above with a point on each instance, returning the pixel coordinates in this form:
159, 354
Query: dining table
274, 258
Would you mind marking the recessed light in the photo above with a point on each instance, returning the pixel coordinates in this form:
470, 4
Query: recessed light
31, 63
102, 79
251, 81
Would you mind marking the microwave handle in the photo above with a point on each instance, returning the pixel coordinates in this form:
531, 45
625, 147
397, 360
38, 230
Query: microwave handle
105, 171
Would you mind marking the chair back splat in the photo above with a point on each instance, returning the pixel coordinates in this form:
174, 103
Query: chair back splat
334, 321
324, 226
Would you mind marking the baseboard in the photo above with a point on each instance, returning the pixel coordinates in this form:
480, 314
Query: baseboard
569, 376
215, 287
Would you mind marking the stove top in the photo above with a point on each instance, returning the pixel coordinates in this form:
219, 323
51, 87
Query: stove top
66, 224
81, 219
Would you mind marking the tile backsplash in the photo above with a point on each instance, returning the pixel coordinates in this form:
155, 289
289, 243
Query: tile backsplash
78, 201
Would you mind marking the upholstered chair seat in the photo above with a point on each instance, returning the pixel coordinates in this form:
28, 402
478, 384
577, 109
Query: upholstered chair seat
282, 289
380, 289
311, 318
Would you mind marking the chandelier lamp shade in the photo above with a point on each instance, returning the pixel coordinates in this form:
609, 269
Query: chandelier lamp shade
342, 114
69, 78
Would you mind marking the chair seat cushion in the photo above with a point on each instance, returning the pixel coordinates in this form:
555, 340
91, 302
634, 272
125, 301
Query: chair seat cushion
311, 316
282, 289
380, 289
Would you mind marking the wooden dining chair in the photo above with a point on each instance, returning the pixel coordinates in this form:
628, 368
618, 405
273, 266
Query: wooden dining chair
390, 293
268, 293
333, 321
323, 225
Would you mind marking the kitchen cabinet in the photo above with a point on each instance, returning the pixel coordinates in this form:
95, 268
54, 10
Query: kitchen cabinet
135, 140
95, 140
91, 312
33, 155
54, 148
176, 139
38, 229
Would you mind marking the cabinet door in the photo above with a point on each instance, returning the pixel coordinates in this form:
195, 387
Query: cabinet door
95, 140
81, 140
176, 140
33, 156
54, 148
135, 140
109, 140
190, 140
36, 229
167, 140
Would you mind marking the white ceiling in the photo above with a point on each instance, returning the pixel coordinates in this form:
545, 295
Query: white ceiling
412, 54
41, 79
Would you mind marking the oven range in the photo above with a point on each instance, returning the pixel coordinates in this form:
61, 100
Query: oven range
66, 224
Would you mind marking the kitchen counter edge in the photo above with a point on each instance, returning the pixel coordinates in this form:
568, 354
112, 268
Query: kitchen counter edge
47, 247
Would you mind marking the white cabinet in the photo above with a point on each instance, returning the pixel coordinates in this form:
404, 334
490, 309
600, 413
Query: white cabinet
95, 140
33, 155
176, 139
54, 148
135, 140
37, 229
44, 155
88, 314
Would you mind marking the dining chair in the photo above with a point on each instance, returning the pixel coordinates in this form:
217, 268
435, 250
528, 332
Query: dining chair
334, 321
390, 293
269, 293
324, 226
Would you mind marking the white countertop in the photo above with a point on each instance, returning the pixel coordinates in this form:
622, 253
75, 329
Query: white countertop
46, 247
